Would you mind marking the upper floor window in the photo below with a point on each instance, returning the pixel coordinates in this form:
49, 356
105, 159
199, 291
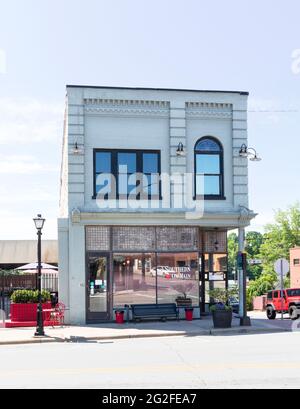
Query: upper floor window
296, 261
120, 173
209, 169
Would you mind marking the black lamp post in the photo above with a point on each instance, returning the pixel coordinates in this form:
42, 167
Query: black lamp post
39, 224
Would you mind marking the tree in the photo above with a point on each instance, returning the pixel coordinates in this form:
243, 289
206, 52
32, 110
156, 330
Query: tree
262, 285
254, 241
233, 246
280, 237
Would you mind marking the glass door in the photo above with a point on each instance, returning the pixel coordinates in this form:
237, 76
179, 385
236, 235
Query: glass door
97, 287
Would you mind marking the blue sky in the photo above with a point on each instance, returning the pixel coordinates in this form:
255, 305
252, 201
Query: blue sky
232, 45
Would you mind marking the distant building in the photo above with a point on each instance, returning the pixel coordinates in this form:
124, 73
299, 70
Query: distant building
295, 267
15, 253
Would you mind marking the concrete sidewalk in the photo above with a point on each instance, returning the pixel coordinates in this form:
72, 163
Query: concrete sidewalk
111, 331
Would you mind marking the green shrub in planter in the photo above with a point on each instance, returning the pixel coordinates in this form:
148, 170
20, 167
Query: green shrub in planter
29, 297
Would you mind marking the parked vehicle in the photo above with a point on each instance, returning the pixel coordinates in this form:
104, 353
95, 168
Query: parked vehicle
234, 303
288, 304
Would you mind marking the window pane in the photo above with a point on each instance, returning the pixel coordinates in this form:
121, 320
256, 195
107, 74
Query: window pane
128, 160
124, 186
215, 263
103, 162
208, 145
151, 187
134, 279
208, 164
103, 184
211, 185
178, 275
150, 163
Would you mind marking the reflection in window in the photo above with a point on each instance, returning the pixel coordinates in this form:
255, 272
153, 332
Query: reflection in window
208, 165
134, 279
215, 263
178, 276
103, 172
130, 170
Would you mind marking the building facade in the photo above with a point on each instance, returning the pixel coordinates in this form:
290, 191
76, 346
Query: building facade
151, 182
295, 267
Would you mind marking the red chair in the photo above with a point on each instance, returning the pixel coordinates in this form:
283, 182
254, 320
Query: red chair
58, 315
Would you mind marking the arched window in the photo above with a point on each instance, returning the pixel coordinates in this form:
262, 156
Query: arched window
209, 168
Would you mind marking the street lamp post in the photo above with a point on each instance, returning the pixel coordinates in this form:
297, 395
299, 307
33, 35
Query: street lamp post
39, 223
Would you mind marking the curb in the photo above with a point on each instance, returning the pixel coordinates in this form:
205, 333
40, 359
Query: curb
208, 332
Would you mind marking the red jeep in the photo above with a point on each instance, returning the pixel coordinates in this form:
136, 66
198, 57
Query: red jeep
288, 304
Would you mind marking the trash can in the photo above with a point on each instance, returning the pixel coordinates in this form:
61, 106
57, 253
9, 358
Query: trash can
189, 314
120, 317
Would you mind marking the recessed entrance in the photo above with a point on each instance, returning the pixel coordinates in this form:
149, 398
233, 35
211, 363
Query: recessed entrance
98, 305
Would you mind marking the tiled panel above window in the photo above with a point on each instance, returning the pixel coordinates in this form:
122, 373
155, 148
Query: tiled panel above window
98, 238
177, 238
133, 238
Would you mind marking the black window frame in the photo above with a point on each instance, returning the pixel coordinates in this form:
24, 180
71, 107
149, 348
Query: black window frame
114, 170
220, 152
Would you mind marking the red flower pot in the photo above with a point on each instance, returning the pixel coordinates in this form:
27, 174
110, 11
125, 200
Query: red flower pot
27, 312
120, 317
189, 314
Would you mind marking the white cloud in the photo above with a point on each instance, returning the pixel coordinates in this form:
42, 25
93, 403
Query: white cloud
29, 120
22, 164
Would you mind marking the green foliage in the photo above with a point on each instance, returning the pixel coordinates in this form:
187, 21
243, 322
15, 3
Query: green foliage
249, 301
29, 296
5, 273
254, 241
262, 285
215, 308
233, 246
280, 237
223, 296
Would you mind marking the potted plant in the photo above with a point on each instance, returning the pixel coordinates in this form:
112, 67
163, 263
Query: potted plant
24, 304
183, 300
221, 310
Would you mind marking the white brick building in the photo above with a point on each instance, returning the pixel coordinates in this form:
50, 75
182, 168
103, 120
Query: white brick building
111, 254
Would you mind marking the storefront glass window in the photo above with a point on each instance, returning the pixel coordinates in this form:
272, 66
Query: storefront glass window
134, 279
178, 276
215, 263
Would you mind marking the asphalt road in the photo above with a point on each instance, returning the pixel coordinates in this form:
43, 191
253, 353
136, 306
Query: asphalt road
245, 361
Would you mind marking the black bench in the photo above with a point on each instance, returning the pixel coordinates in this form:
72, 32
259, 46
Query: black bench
154, 311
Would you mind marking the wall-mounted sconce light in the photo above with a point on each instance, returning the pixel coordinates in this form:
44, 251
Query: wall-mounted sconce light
180, 149
250, 153
76, 149
216, 243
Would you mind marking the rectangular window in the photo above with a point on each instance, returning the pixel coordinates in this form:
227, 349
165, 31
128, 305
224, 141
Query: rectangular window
134, 279
296, 262
103, 169
208, 175
177, 277
133, 172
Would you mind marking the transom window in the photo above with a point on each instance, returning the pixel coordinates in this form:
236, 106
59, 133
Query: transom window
127, 172
209, 168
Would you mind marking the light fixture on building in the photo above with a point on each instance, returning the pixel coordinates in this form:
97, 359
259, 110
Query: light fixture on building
180, 149
216, 243
76, 149
250, 153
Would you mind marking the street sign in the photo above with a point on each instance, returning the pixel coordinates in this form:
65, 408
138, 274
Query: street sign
282, 267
